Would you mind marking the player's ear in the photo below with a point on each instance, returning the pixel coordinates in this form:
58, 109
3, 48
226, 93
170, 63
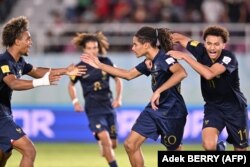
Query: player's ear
17, 42
224, 45
146, 45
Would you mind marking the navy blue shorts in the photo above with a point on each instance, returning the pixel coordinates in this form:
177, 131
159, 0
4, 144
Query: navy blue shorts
9, 132
106, 122
152, 124
234, 119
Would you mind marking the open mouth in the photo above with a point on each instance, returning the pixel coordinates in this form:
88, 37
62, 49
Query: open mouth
212, 53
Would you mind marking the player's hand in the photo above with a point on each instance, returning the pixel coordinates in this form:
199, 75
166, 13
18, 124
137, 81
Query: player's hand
149, 64
53, 77
91, 60
155, 100
73, 70
78, 107
116, 103
176, 54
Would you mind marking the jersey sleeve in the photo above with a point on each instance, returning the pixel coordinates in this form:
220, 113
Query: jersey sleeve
5, 69
109, 62
27, 67
142, 68
167, 62
196, 49
74, 79
229, 61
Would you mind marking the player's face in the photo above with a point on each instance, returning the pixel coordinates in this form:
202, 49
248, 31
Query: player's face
214, 46
24, 43
138, 48
91, 48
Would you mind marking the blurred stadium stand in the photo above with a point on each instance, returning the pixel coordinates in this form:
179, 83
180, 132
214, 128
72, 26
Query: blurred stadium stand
54, 23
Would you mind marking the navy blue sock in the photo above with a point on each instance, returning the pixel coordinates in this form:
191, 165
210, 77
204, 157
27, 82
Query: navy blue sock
113, 164
221, 146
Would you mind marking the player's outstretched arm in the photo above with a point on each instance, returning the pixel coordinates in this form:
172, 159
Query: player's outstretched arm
21, 84
207, 72
70, 70
122, 73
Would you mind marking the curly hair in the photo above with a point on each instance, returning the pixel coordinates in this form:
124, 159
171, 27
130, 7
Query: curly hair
81, 39
13, 30
157, 37
216, 31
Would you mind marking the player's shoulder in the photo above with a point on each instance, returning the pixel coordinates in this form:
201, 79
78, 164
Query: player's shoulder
105, 60
226, 52
4, 57
194, 43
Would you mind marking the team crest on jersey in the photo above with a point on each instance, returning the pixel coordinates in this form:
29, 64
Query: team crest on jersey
19, 130
194, 43
226, 60
170, 60
5, 68
72, 77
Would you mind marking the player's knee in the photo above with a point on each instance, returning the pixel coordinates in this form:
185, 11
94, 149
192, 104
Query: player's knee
129, 146
30, 152
209, 145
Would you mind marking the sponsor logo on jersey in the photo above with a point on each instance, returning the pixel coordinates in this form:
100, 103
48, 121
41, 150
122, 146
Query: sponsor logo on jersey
5, 68
226, 60
194, 43
170, 60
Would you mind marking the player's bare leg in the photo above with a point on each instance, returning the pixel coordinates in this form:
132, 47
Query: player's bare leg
210, 138
27, 149
179, 148
133, 148
100, 147
108, 151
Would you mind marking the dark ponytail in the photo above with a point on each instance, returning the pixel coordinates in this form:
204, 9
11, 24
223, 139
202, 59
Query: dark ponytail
159, 37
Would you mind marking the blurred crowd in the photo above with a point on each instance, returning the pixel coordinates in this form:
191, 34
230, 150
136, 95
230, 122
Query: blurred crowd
5, 8
134, 11
143, 11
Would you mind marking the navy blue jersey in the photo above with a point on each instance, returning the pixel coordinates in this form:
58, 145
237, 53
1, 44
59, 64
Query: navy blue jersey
9, 66
96, 89
222, 90
170, 99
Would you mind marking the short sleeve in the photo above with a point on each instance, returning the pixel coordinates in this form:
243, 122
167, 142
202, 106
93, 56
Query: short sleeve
167, 62
27, 68
229, 61
5, 69
142, 68
196, 49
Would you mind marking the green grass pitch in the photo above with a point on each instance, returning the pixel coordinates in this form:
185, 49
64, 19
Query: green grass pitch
87, 155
